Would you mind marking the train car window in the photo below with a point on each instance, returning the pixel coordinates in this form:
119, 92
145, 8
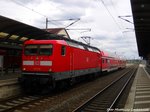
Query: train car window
31, 50
106, 60
103, 60
45, 49
63, 50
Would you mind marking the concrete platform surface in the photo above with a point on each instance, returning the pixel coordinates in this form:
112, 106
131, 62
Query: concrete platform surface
9, 86
139, 96
10, 75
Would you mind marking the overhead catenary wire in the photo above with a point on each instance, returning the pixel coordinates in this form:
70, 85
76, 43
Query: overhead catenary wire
121, 17
110, 14
47, 20
117, 13
18, 3
67, 26
29, 8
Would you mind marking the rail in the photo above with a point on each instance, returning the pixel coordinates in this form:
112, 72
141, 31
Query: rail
17, 102
105, 99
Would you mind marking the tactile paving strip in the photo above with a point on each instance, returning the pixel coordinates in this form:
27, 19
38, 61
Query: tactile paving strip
142, 93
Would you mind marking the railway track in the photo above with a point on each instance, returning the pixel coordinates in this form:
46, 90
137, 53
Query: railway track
29, 103
106, 99
12, 104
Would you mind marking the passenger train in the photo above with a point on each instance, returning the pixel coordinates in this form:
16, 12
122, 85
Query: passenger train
48, 63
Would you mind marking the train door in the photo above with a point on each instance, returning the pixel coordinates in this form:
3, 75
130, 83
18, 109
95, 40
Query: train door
104, 65
72, 72
109, 64
100, 62
71, 62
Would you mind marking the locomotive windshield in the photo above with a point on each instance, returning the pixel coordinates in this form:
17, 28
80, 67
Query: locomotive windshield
45, 49
38, 49
31, 49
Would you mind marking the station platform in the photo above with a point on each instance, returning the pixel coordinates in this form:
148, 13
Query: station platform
139, 95
9, 86
9, 75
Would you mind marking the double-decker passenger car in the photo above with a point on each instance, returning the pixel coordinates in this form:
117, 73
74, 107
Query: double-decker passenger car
111, 62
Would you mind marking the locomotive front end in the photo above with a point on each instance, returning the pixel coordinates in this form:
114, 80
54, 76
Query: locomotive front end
37, 59
36, 64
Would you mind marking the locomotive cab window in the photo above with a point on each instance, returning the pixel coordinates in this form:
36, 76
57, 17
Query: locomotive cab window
31, 49
108, 61
38, 49
45, 49
63, 50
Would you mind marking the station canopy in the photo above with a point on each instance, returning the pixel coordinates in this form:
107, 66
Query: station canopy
14, 33
141, 17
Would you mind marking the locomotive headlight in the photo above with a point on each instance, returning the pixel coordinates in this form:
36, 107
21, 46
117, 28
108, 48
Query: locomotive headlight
50, 70
24, 69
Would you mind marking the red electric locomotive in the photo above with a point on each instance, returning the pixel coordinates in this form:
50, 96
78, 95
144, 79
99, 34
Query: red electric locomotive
45, 62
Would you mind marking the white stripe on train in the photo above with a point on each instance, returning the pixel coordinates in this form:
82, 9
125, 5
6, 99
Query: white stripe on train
42, 63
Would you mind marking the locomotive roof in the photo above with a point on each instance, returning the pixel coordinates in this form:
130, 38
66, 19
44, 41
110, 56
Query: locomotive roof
58, 38
80, 43
45, 42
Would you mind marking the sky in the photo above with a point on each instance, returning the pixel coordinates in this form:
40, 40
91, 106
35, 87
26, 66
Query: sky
108, 32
